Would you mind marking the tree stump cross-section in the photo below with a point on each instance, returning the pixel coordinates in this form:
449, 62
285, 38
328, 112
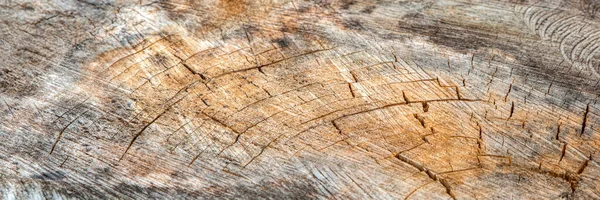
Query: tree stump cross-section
299, 99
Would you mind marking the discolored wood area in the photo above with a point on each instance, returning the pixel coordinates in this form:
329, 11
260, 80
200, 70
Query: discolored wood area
322, 99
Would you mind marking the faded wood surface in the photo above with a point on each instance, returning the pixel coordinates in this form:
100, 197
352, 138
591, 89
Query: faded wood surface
450, 99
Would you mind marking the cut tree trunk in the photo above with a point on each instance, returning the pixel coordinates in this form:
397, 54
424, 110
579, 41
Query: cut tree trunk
326, 99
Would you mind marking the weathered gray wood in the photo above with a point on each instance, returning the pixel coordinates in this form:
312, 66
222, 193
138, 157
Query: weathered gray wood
448, 99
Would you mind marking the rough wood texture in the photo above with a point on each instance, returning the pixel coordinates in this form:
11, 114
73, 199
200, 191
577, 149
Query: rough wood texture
450, 99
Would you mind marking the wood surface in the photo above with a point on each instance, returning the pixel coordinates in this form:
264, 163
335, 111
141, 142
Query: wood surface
297, 99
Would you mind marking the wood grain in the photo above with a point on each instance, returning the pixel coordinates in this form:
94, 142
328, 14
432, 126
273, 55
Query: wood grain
323, 99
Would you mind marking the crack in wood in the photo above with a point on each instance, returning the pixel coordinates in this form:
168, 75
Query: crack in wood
558, 130
406, 103
563, 151
271, 63
148, 125
421, 119
63, 130
512, 110
584, 165
351, 90
585, 117
507, 93
135, 53
432, 175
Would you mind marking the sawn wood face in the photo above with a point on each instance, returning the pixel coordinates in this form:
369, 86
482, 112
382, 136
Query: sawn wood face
299, 99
